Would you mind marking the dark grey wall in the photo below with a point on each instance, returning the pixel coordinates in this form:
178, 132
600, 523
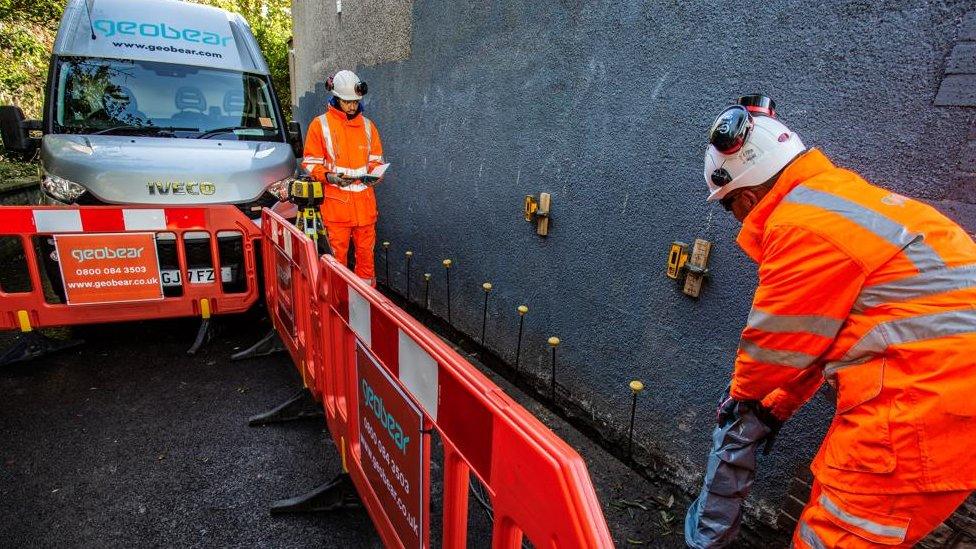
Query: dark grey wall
605, 105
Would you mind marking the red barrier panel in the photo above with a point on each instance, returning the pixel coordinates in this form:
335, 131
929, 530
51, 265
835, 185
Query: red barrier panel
387, 383
291, 265
539, 485
111, 276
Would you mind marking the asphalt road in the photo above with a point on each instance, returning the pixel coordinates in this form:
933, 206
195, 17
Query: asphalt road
128, 442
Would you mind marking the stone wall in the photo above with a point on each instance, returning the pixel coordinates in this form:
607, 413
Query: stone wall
605, 105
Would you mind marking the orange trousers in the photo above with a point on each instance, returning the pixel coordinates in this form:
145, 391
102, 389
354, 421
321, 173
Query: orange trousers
363, 239
833, 518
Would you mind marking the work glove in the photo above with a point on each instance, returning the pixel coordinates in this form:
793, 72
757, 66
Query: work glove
337, 179
774, 424
728, 411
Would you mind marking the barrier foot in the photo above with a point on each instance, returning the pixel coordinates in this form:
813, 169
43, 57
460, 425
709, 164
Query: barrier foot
268, 345
338, 493
204, 335
34, 344
300, 406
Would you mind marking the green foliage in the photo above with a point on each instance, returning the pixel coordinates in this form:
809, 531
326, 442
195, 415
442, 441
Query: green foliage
27, 30
11, 170
270, 22
42, 12
28, 27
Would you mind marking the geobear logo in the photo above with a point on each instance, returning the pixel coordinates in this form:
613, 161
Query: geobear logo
84, 254
109, 28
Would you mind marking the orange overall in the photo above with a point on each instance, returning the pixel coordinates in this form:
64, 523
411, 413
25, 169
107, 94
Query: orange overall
349, 147
876, 293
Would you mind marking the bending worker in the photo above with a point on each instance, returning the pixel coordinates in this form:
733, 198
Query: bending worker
872, 291
342, 146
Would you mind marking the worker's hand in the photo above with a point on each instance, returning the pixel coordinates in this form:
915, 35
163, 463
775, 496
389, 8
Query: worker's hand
340, 180
774, 424
726, 410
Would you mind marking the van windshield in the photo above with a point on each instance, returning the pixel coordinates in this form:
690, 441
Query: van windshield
145, 98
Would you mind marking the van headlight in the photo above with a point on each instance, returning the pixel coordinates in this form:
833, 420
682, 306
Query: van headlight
61, 189
280, 188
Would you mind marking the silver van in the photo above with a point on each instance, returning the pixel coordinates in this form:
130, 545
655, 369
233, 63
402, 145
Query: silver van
158, 102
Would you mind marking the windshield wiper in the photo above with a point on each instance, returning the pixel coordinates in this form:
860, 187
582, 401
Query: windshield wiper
228, 129
154, 129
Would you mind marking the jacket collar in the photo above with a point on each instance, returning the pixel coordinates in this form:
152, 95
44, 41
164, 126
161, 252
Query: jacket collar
802, 168
335, 110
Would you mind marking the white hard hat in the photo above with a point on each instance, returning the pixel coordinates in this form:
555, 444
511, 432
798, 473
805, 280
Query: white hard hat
747, 146
346, 85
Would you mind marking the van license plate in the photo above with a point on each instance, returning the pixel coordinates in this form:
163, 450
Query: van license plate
195, 276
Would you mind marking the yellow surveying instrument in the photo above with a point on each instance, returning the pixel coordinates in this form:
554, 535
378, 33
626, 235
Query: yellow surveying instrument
307, 194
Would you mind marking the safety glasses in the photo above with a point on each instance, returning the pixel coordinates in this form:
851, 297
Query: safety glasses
727, 202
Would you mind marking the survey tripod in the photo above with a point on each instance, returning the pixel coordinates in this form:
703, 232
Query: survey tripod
307, 194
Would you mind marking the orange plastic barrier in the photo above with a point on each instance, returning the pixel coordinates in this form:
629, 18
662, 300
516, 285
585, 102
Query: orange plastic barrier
112, 270
291, 282
388, 384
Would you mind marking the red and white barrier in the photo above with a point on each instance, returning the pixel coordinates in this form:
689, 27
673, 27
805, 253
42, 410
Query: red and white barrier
388, 384
30, 309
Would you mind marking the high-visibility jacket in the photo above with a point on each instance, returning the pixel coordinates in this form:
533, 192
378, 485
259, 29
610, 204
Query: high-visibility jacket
876, 292
350, 147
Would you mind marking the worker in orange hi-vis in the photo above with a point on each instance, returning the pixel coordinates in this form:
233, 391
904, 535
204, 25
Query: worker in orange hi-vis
341, 148
863, 287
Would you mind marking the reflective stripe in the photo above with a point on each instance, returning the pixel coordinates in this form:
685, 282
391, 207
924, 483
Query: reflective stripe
57, 221
353, 172
360, 314
923, 284
862, 523
327, 136
144, 220
912, 244
376, 158
368, 126
313, 160
810, 537
812, 324
793, 359
287, 243
355, 188
922, 255
418, 371
905, 330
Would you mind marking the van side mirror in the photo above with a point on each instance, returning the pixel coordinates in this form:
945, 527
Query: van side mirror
19, 136
295, 138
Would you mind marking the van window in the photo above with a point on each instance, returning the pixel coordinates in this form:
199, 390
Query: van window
125, 97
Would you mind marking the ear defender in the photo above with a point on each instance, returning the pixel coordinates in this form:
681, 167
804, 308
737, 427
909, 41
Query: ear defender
360, 88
